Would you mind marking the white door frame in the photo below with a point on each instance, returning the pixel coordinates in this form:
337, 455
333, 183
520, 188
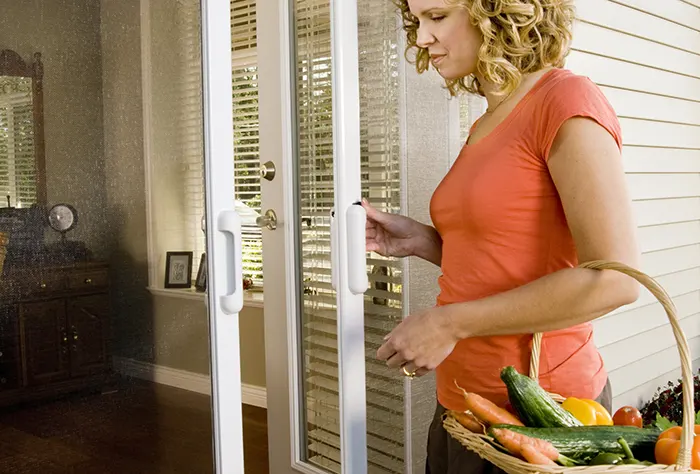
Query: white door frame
225, 294
275, 106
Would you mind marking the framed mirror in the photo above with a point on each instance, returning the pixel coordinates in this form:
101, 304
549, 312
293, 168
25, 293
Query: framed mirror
22, 160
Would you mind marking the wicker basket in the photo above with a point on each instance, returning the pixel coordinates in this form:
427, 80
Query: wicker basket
482, 445
3, 250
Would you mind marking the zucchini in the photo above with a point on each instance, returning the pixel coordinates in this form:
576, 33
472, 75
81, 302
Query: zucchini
583, 441
535, 407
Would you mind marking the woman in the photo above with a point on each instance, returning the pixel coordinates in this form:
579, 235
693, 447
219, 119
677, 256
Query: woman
538, 187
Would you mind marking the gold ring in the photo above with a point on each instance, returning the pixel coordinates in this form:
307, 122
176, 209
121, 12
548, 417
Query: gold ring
408, 374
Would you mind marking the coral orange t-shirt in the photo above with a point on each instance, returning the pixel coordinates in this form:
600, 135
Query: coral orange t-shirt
502, 226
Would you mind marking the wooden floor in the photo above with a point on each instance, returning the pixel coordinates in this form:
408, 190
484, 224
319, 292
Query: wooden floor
137, 428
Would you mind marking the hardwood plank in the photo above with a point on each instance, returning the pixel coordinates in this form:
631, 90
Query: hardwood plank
138, 427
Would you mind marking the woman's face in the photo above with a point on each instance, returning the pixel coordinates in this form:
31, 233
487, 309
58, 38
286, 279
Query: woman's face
448, 35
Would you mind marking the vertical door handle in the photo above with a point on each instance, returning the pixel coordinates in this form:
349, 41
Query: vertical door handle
356, 220
230, 224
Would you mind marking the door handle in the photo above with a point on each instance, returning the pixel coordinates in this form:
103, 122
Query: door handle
269, 220
356, 220
229, 222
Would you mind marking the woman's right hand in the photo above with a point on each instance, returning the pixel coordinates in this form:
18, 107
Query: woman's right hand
394, 235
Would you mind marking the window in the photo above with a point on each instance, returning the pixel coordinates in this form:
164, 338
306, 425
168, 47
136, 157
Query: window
17, 162
246, 128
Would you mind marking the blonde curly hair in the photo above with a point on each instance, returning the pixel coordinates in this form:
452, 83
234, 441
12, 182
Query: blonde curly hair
519, 37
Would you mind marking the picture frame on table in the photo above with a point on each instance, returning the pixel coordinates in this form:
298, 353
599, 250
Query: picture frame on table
201, 282
178, 269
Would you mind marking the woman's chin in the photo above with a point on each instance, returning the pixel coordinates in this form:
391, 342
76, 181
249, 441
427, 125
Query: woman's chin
449, 75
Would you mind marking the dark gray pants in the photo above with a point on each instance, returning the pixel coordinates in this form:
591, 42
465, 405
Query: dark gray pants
447, 456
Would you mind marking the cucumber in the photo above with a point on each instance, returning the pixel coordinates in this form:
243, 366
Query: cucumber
535, 407
582, 441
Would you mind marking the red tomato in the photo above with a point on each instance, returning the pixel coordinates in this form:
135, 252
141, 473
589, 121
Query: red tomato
628, 416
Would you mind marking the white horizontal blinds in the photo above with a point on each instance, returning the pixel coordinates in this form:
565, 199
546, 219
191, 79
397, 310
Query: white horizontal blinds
246, 128
190, 123
471, 107
379, 58
17, 153
381, 183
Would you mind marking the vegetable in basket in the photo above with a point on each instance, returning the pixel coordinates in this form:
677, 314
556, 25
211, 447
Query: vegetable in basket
588, 412
669, 443
535, 407
486, 411
628, 416
539, 449
587, 441
468, 420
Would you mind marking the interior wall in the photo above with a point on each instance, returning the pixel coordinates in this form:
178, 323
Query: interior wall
67, 34
132, 325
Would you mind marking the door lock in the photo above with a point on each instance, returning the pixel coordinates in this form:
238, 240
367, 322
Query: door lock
267, 171
268, 220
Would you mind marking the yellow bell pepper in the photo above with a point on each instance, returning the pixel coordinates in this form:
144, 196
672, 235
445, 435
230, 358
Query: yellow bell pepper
588, 412
582, 411
602, 415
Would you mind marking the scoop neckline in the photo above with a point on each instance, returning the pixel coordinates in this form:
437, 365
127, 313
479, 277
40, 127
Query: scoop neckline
516, 110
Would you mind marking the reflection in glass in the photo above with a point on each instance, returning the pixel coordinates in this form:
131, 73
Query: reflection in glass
18, 186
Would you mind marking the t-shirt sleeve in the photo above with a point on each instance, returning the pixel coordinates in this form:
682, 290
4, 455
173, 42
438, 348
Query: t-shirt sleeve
575, 96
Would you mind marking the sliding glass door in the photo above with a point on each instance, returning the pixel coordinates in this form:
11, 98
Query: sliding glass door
118, 308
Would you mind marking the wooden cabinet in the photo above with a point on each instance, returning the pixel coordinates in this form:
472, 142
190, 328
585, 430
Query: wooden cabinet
53, 330
10, 358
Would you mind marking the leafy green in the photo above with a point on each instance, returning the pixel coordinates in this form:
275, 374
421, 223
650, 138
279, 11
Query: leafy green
663, 423
697, 418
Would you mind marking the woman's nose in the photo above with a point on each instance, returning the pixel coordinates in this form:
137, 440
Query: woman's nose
424, 37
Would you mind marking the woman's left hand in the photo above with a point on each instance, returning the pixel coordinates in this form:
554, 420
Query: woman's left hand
420, 342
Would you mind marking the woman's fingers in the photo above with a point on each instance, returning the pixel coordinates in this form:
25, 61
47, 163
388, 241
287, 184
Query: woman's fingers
396, 361
409, 369
386, 351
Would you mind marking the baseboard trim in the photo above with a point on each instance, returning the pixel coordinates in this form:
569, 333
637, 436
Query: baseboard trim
194, 382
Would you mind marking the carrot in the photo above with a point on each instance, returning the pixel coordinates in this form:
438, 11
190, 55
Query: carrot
534, 456
507, 440
514, 442
469, 421
487, 411
522, 445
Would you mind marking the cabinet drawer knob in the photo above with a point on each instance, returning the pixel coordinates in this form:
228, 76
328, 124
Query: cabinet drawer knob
3, 380
88, 281
0, 353
42, 285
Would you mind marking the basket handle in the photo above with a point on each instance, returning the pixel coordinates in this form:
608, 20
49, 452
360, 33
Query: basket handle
684, 456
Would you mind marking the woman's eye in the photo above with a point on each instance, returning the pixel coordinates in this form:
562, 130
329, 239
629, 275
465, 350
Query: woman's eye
437, 17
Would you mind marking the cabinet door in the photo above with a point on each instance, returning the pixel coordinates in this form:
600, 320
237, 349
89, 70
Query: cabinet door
10, 362
45, 341
87, 317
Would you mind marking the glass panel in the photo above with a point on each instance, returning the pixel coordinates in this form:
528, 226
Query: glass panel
381, 183
246, 123
97, 373
320, 433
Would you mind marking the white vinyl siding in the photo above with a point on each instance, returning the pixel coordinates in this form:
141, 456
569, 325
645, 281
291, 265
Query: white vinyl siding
645, 56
